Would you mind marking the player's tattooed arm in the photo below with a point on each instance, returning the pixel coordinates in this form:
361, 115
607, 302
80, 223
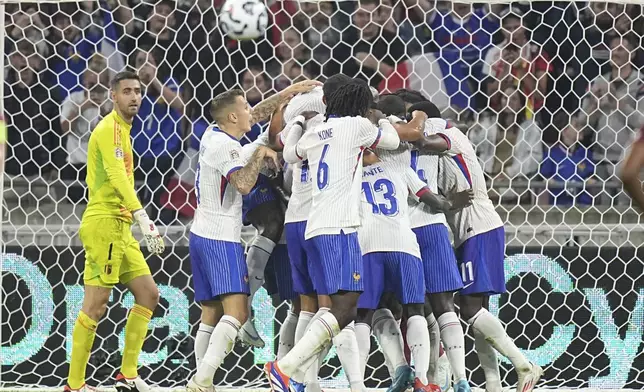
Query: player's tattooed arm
263, 110
275, 127
245, 178
437, 202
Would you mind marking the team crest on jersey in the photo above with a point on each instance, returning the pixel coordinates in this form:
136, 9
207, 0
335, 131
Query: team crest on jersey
234, 154
118, 152
356, 276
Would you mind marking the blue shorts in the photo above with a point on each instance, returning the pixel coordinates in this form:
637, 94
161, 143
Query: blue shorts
338, 261
439, 262
218, 268
301, 271
277, 274
261, 193
396, 272
481, 261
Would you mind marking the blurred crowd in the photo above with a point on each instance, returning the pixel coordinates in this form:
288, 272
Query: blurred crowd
550, 92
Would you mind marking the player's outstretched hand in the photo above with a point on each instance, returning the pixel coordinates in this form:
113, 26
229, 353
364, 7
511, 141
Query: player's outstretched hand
301, 87
153, 239
462, 199
271, 159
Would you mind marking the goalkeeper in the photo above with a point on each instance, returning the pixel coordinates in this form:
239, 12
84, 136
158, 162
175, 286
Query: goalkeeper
112, 254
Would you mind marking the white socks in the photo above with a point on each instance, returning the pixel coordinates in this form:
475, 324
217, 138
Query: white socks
257, 258
221, 343
386, 329
201, 341
346, 345
434, 347
287, 334
418, 342
490, 328
489, 362
302, 324
453, 343
363, 336
319, 334
312, 369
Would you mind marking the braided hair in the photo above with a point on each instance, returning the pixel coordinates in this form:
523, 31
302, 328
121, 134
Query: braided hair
350, 100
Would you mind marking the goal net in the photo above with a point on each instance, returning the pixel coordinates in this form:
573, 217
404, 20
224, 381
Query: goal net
550, 94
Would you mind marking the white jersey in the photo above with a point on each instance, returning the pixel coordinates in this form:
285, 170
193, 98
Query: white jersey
461, 170
334, 153
219, 204
385, 214
427, 168
299, 204
311, 101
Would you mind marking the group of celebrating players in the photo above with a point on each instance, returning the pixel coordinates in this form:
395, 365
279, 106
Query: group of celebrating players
366, 233
350, 182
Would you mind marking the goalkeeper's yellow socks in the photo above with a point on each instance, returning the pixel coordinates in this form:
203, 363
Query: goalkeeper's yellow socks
82, 341
136, 329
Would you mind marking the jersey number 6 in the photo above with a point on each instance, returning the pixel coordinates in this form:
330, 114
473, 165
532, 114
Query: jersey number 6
323, 170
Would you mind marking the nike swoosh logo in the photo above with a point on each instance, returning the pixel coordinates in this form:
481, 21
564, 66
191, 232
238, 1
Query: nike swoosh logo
259, 278
467, 285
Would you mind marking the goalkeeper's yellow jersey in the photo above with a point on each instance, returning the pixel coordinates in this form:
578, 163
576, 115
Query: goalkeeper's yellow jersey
110, 171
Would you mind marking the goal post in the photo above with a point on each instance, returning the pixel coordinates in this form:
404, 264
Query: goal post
522, 89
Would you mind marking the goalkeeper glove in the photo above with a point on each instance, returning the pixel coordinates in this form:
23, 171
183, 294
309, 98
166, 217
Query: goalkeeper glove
152, 237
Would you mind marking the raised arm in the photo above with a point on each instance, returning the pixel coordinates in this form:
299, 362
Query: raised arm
113, 156
291, 154
263, 110
433, 144
387, 138
244, 178
275, 127
413, 130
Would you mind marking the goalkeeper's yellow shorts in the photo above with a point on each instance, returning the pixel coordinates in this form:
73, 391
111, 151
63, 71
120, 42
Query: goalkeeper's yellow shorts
112, 254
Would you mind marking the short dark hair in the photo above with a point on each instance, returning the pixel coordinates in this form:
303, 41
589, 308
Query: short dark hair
123, 75
333, 83
350, 100
391, 104
410, 96
429, 108
223, 101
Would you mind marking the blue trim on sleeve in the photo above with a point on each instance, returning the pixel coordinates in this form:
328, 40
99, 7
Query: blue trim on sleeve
231, 171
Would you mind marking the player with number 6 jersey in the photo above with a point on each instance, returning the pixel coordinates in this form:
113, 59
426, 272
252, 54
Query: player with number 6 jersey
334, 151
311, 108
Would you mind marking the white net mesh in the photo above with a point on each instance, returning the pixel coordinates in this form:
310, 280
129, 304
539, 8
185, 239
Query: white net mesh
551, 92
